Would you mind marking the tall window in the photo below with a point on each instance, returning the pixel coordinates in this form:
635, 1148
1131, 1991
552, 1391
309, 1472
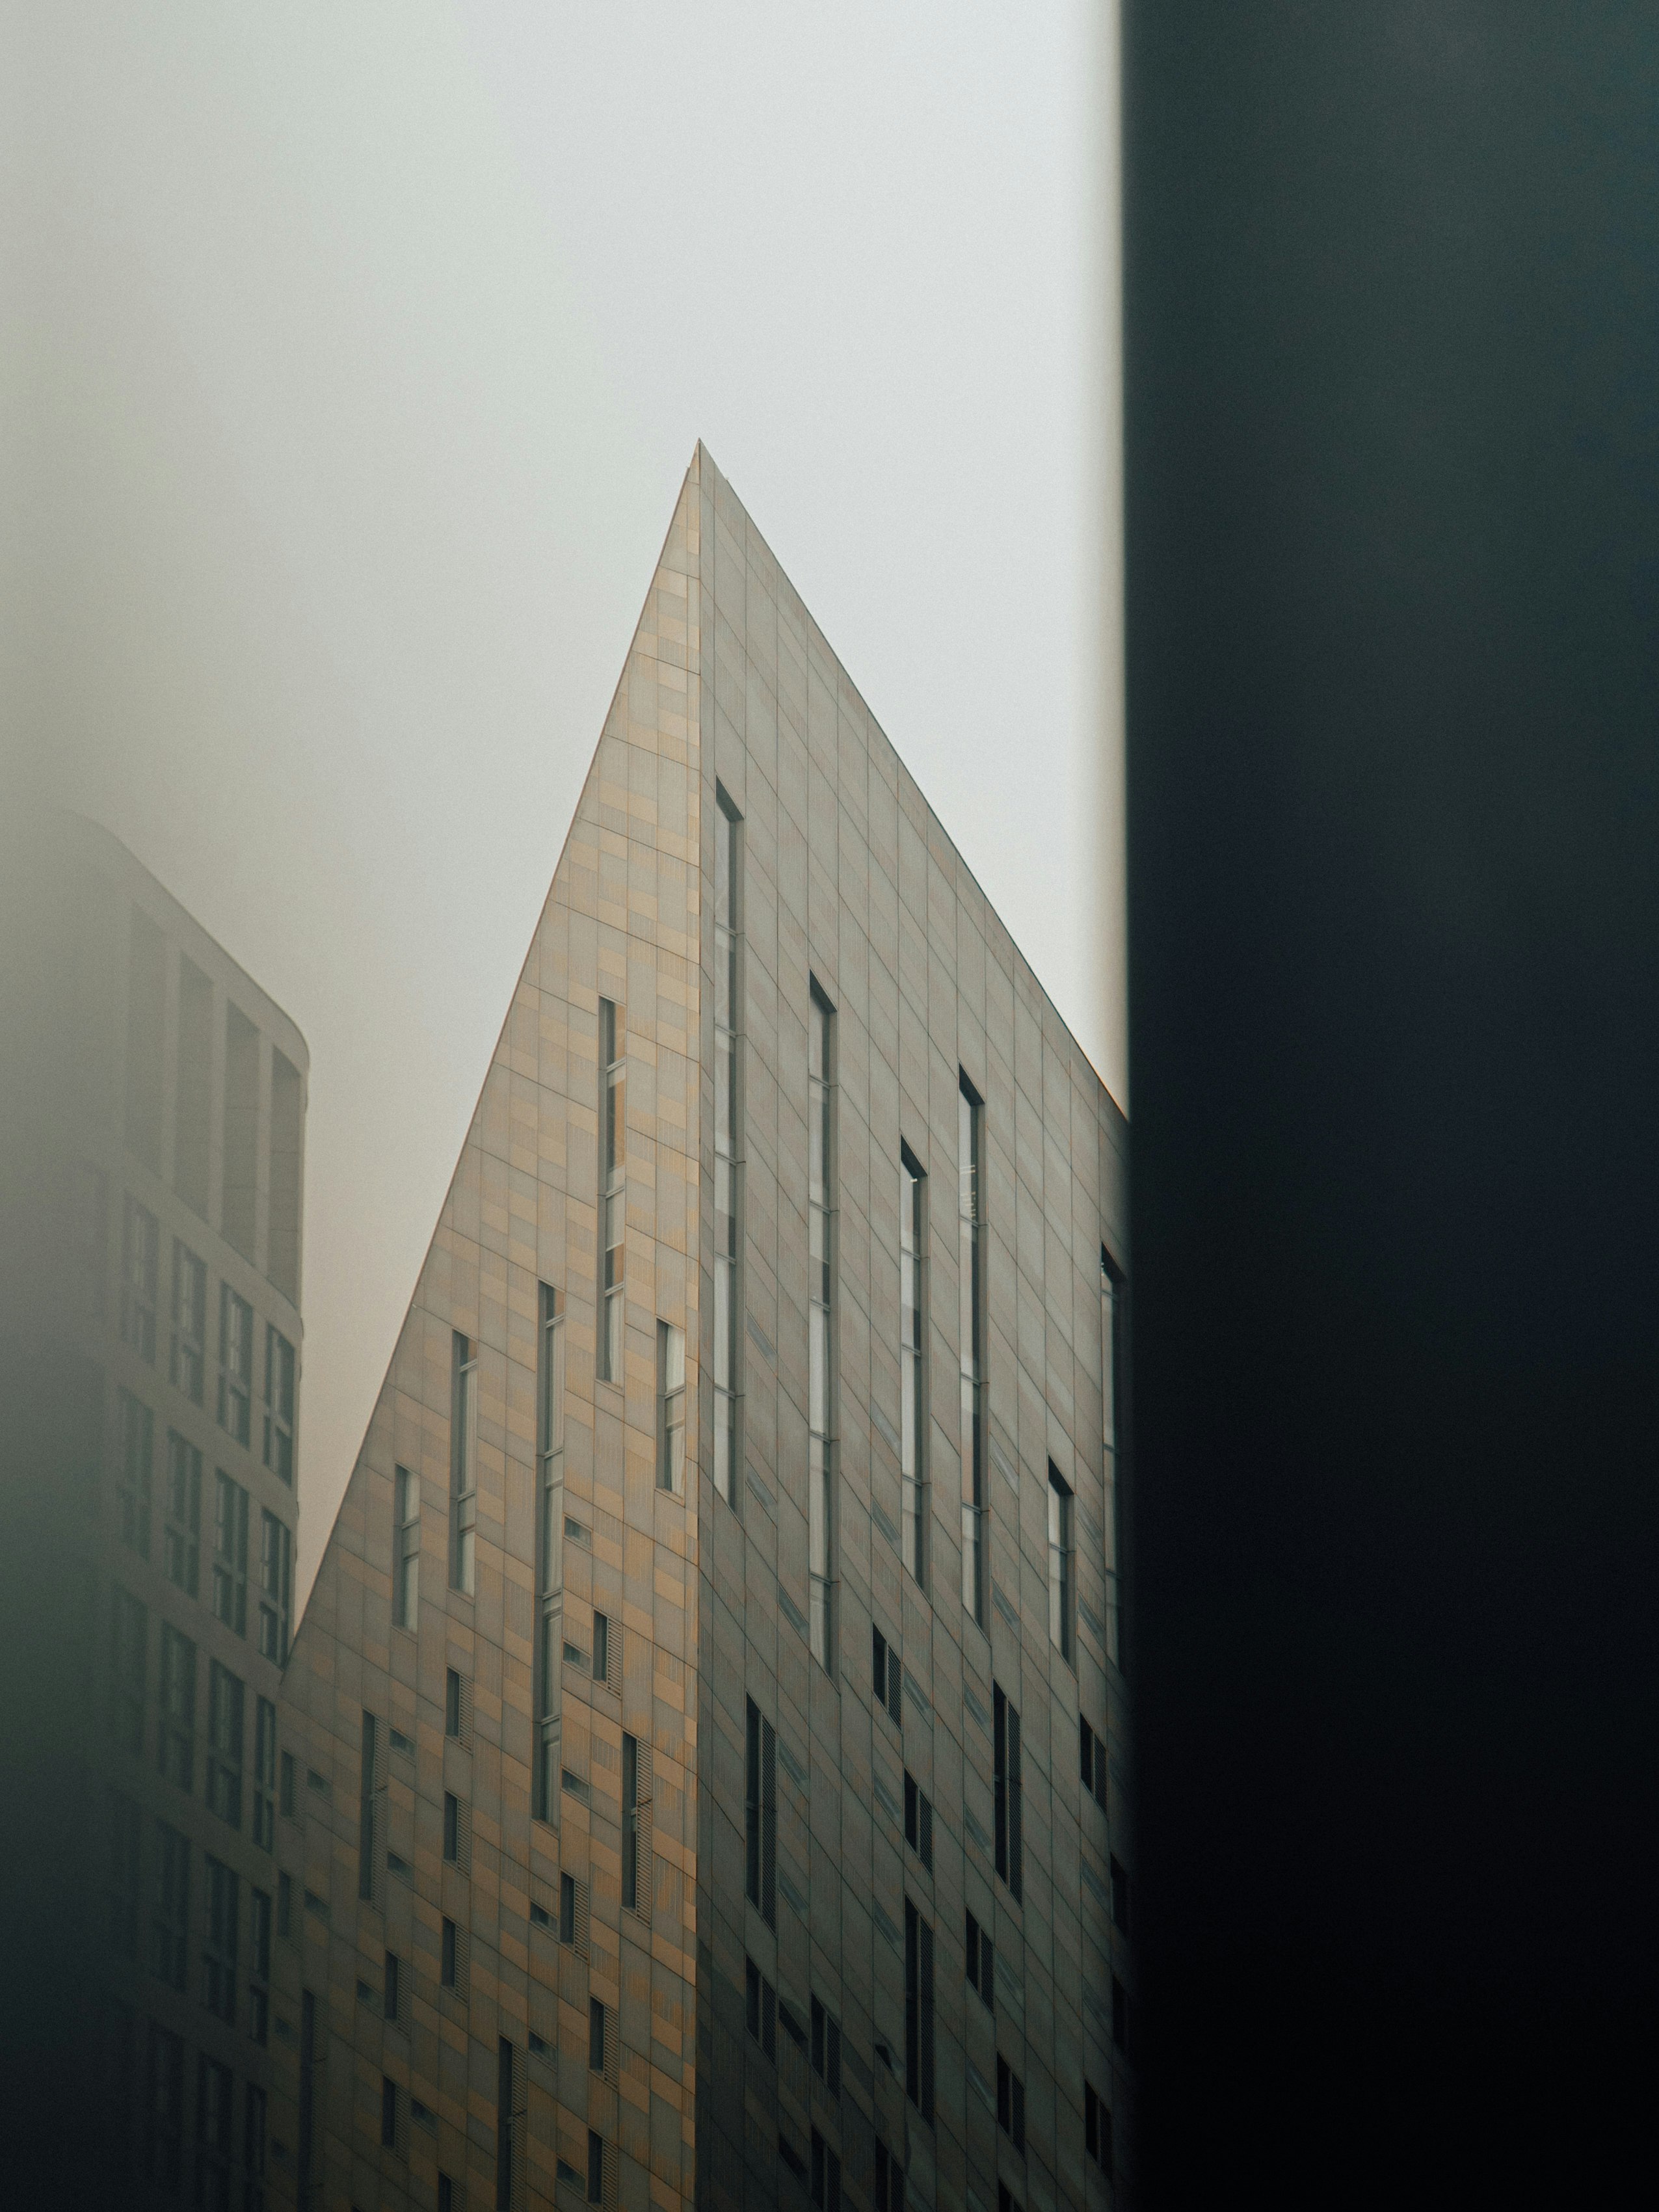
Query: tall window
188, 1359
970, 1210
728, 1147
124, 1822
137, 1454
279, 1405
463, 1462
913, 1385
406, 1548
820, 1390
613, 1197
235, 1365
140, 1261
253, 2147
169, 1927
1005, 1742
366, 1802
630, 1823
275, 1586
1059, 1564
224, 1787
176, 1696
182, 1543
265, 1774
761, 1815
230, 1552
218, 1957
919, 2012
671, 1402
129, 1652
549, 1440
1111, 1330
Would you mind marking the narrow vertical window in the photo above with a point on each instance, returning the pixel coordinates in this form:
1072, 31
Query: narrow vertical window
595, 2036
219, 1958
671, 1402
919, 2012
279, 1405
1059, 1564
1005, 1732
366, 1808
188, 1359
632, 1799
170, 1921
507, 2071
253, 2149
1111, 1366
216, 2131
176, 1742
406, 1549
913, 1389
137, 1457
463, 1462
275, 1586
140, 1261
613, 1198
728, 1148
128, 1657
760, 1815
230, 1553
259, 1965
391, 1995
235, 1365
970, 1212
224, 1778
550, 1440
182, 1546
123, 1875
601, 1662
265, 1774
821, 1388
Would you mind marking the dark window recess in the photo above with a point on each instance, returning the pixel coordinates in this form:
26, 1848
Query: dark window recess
595, 2166
1011, 2105
888, 1673
454, 1703
510, 2107
918, 2012
1007, 2200
790, 2157
366, 1851
288, 1785
394, 1980
601, 1647
826, 2048
566, 1908
388, 2113
1091, 1760
890, 2181
446, 1956
1005, 1747
760, 1815
539, 2045
595, 2035
1097, 2129
540, 1917
446, 2194
452, 1828
1120, 2016
763, 2008
981, 1964
790, 2022
919, 1821
1119, 1875
826, 2175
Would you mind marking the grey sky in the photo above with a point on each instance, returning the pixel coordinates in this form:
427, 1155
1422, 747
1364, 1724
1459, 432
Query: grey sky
367, 347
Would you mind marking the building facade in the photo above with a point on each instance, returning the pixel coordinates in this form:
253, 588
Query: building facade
184, 1160
703, 1753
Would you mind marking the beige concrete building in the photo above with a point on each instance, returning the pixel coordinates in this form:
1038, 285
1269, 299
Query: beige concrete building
683, 1752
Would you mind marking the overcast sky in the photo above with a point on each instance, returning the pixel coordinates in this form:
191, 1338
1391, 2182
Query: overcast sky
368, 346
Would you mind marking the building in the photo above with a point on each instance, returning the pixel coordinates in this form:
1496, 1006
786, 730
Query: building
183, 1150
707, 1749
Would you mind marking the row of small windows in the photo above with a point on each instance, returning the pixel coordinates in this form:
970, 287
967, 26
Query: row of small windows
231, 1524
187, 1340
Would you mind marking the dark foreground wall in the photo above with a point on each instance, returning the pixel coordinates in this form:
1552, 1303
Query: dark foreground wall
1393, 302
